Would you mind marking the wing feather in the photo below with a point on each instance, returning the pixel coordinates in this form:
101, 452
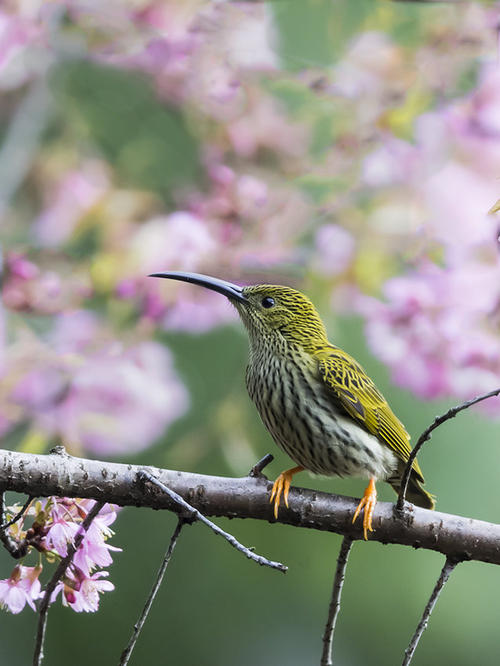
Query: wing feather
362, 400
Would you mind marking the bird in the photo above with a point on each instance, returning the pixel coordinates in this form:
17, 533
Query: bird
317, 402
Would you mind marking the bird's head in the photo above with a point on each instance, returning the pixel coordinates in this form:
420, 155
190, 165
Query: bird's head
269, 312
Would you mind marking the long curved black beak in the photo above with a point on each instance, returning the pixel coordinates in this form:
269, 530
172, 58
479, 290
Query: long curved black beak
232, 291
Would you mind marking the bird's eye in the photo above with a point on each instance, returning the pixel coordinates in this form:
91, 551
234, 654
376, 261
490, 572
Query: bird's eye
267, 302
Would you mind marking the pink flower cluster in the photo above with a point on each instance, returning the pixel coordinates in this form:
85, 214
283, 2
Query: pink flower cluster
418, 331
56, 522
239, 225
370, 177
28, 288
21, 588
437, 327
82, 387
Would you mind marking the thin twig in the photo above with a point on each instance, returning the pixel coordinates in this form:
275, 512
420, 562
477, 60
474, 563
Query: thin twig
18, 515
15, 549
334, 608
58, 574
426, 435
257, 469
446, 571
125, 656
194, 513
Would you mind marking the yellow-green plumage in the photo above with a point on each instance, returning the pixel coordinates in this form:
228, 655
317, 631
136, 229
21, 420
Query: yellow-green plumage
317, 402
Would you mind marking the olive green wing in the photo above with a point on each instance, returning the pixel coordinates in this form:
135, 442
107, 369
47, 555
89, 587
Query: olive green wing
362, 400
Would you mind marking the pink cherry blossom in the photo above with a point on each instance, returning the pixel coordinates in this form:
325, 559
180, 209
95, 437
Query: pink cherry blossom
334, 249
94, 551
418, 331
72, 198
74, 331
460, 223
486, 102
264, 126
29, 288
23, 587
251, 195
371, 70
21, 49
180, 241
392, 162
56, 521
407, 169
93, 393
198, 313
118, 401
61, 532
81, 592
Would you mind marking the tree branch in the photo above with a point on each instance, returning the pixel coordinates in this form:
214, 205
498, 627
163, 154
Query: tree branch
64, 476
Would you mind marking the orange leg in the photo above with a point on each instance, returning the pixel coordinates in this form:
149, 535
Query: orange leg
282, 485
369, 500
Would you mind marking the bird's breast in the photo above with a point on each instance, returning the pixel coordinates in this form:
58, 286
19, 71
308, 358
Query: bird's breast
309, 424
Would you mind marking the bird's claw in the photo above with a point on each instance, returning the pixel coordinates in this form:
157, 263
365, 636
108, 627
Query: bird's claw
368, 501
282, 487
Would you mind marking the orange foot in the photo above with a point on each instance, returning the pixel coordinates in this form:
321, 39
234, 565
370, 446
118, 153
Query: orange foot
282, 485
369, 500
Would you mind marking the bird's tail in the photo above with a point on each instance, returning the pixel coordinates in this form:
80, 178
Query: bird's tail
415, 493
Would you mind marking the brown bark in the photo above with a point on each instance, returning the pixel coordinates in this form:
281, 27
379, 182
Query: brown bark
59, 474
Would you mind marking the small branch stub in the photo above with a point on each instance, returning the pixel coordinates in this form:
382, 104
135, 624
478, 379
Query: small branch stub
258, 468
